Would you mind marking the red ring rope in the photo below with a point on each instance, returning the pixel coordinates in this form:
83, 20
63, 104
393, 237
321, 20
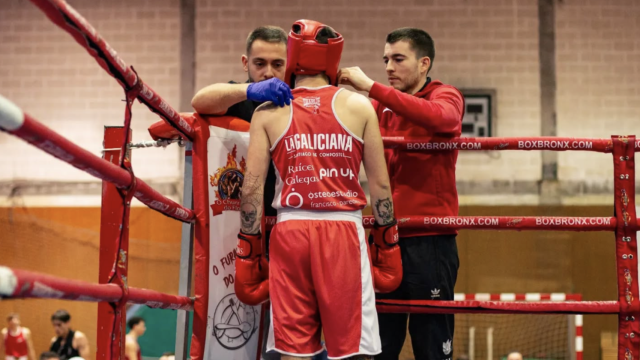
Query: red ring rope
16, 283
497, 307
49, 141
517, 143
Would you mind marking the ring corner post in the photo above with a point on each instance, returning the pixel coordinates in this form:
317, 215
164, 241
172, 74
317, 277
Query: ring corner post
626, 246
186, 259
111, 223
201, 239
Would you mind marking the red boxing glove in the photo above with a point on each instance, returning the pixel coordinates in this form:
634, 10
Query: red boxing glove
252, 282
385, 257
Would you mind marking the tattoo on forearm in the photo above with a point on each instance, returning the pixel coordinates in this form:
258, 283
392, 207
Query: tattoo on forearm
251, 204
384, 211
248, 216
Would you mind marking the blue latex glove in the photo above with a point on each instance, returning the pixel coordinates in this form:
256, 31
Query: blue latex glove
274, 90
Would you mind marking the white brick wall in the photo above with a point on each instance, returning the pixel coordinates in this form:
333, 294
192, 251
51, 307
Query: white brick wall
51, 77
479, 44
598, 80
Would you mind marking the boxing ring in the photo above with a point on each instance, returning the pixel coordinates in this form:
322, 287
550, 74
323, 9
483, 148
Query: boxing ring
120, 185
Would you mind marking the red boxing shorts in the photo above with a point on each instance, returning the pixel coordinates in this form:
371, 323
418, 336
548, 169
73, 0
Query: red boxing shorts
320, 279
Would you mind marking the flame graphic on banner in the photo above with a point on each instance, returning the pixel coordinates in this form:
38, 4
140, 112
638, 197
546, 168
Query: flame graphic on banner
227, 184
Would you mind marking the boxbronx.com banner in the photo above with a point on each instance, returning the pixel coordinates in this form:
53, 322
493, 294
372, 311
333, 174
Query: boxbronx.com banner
533, 144
490, 221
503, 222
598, 145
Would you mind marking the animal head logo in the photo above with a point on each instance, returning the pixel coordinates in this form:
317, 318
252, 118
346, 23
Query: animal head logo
609, 146
627, 277
625, 198
122, 259
312, 103
446, 347
514, 222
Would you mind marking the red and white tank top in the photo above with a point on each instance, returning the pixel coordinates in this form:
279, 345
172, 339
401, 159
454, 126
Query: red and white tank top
317, 159
15, 345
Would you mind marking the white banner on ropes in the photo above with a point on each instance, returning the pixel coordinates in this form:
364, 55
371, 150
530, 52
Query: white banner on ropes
234, 327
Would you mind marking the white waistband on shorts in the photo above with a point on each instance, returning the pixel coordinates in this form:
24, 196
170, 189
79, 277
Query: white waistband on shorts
16, 358
296, 214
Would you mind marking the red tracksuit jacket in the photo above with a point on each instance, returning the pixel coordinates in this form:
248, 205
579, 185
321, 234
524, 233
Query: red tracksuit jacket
422, 183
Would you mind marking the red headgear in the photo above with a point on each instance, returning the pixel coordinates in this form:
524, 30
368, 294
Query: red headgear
306, 56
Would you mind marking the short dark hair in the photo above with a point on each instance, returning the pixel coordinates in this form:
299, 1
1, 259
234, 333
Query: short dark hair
271, 34
12, 316
323, 35
168, 353
61, 315
133, 321
49, 355
420, 41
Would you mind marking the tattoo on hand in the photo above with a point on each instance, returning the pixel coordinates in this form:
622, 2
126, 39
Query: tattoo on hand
251, 204
384, 210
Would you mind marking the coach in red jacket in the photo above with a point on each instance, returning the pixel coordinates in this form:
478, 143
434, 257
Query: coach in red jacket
422, 184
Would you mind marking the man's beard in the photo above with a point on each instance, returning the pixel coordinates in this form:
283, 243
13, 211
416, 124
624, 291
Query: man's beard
410, 83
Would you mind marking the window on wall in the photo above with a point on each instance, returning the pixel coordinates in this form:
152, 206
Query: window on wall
478, 120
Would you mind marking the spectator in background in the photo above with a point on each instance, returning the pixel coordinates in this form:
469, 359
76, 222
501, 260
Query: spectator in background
136, 329
17, 343
67, 343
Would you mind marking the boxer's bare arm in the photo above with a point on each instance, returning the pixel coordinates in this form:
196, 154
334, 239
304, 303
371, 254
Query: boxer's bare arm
81, 343
376, 167
258, 157
130, 349
29, 338
3, 332
217, 98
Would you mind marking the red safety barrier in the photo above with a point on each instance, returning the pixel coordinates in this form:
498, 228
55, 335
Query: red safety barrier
16, 283
518, 297
510, 143
497, 307
67, 18
13, 121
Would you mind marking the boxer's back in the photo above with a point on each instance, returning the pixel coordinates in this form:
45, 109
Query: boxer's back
317, 149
